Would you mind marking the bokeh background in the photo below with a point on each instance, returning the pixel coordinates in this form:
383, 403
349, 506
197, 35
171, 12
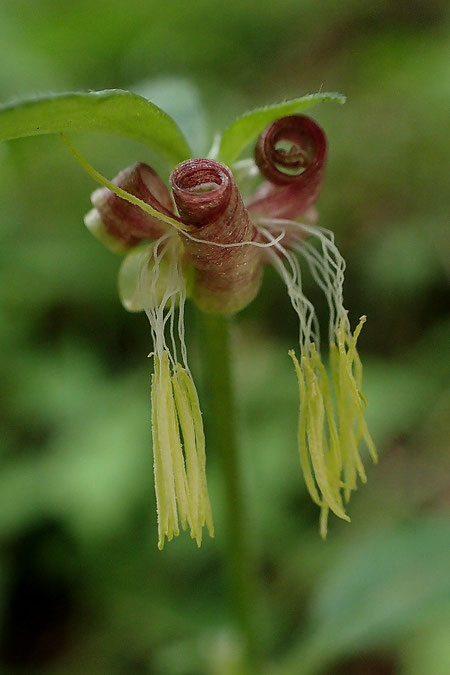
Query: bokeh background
83, 588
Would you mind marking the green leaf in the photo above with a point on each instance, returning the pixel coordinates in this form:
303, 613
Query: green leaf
245, 129
111, 111
382, 589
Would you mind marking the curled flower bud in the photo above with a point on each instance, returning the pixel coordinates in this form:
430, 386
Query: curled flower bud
121, 225
291, 155
227, 275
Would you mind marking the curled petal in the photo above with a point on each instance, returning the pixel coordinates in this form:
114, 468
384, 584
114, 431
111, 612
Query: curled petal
291, 155
227, 276
121, 225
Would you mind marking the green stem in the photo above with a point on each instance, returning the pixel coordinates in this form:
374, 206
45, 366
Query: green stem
221, 429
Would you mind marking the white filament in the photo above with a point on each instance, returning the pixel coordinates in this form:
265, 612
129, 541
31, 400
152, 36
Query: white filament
326, 264
161, 307
291, 275
258, 244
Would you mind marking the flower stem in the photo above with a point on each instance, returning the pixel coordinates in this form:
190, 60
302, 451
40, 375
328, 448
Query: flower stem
221, 431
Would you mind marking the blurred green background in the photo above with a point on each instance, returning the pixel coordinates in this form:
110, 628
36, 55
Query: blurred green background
83, 588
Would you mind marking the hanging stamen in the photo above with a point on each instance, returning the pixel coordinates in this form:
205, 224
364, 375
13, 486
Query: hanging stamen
191, 425
152, 278
331, 417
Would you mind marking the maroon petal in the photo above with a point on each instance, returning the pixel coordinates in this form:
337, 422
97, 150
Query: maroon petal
125, 222
208, 199
291, 155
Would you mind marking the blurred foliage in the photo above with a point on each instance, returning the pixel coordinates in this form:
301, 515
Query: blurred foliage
83, 588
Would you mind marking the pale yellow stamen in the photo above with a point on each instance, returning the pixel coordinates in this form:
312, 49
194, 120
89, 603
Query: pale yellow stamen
152, 278
331, 423
179, 453
191, 423
166, 497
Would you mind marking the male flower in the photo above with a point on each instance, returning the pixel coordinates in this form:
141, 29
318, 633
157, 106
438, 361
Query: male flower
203, 242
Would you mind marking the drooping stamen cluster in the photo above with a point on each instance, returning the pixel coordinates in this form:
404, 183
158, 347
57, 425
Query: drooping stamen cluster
152, 278
331, 415
180, 469
227, 275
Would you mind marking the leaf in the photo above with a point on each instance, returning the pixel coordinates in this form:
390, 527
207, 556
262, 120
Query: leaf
382, 589
245, 129
111, 111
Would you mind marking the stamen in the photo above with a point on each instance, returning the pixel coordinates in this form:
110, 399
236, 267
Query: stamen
331, 422
178, 438
179, 453
191, 425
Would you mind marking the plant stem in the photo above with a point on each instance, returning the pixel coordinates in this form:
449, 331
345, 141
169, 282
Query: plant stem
221, 428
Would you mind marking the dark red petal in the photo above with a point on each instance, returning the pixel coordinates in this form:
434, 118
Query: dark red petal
127, 222
208, 199
294, 173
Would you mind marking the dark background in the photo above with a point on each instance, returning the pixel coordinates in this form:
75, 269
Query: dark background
83, 588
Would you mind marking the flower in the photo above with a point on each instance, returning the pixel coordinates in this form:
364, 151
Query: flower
206, 241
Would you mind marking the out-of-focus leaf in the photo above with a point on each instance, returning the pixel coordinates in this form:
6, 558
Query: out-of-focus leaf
403, 261
379, 590
111, 111
428, 651
89, 472
22, 64
239, 134
403, 392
